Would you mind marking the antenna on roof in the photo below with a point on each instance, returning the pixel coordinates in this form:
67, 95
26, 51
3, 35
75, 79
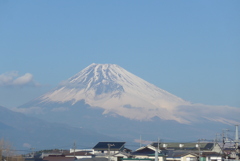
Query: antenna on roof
140, 141
225, 135
216, 139
156, 152
74, 148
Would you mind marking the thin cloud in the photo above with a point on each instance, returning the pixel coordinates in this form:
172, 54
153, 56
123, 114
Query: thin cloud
200, 112
14, 79
31, 110
27, 145
142, 141
60, 109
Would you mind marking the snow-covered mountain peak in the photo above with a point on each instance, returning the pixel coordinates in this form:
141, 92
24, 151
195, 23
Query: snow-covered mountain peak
98, 77
119, 92
116, 90
96, 72
99, 72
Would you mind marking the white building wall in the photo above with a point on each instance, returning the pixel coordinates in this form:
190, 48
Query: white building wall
80, 157
105, 152
217, 149
76, 150
160, 158
115, 158
216, 158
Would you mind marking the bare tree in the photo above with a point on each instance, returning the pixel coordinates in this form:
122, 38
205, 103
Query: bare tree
7, 151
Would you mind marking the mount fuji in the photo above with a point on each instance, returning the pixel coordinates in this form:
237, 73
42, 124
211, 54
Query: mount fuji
112, 100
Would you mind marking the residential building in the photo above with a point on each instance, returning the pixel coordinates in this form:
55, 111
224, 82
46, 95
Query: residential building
113, 151
59, 158
201, 147
108, 148
80, 154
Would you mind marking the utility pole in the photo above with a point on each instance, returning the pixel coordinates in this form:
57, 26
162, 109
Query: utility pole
198, 145
216, 139
224, 139
32, 149
156, 152
7, 155
74, 148
0, 154
237, 143
109, 146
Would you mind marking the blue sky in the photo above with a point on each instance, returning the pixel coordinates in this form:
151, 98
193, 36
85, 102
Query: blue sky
188, 48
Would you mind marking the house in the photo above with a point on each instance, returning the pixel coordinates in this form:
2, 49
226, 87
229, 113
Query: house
120, 156
211, 156
55, 152
94, 159
79, 154
86, 150
204, 151
136, 159
114, 151
143, 152
59, 158
108, 148
230, 152
179, 152
181, 156
201, 147
148, 152
52, 153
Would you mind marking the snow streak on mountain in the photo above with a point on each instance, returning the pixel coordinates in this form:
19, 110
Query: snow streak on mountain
119, 92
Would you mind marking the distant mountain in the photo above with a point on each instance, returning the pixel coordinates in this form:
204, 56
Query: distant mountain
25, 132
112, 100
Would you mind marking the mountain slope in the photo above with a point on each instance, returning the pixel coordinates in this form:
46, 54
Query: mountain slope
111, 100
119, 92
22, 130
115, 90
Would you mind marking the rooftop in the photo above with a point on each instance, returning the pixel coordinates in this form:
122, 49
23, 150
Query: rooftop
111, 145
185, 146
